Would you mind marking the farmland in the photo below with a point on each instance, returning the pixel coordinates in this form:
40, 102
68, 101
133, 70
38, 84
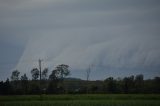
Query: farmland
82, 100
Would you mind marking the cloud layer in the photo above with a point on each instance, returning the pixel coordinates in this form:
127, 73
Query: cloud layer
115, 36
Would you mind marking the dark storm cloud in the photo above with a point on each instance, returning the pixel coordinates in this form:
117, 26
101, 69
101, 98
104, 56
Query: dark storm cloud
120, 36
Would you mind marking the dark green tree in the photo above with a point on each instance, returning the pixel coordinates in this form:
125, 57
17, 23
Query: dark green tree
35, 85
139, 83
45, 74
24, 77
57, 76
53, 76
62, 71
15, 75
24, 84
15, 81
35, 74
53, 82
111, 85
5, 87
128, 84
156, 85
44, 77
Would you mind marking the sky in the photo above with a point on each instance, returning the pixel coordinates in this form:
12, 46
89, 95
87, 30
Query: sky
115, 38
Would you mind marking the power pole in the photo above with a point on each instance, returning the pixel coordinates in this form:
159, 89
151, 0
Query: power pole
88, 75
40, 62
88, 72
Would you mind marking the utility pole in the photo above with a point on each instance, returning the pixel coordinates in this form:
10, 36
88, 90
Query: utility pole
88, 72
40, 62
88, 75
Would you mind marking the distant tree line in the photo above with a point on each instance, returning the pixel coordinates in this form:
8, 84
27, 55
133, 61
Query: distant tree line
57, 83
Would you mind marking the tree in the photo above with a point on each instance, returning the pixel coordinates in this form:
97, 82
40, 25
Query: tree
44, 77
139, 83
1, 87
128, 84
5, 87
53, 76
15, 81
111, 84
24, 83
52, 87
156, 85
62, 71
57, 76
15, 75
24, 77
45, 74
35, 74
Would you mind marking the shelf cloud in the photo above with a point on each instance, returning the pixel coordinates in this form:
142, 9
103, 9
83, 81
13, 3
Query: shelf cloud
117, 37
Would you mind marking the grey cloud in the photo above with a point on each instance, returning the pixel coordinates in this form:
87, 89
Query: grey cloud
114, 35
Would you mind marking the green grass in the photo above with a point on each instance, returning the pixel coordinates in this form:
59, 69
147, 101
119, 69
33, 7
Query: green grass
82, 100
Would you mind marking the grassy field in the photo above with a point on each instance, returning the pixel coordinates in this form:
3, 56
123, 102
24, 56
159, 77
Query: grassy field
82, 100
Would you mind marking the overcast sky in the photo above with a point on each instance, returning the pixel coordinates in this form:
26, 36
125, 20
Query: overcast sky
117, 37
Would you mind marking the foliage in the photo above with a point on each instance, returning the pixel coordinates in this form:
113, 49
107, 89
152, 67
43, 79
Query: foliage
24, 77
62, 71
24, 84
56, 77
57, 83
111, 84
15, 75
35, 74
53, 76
45, 74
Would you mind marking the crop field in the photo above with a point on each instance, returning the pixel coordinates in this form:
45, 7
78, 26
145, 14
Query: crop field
82, 100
